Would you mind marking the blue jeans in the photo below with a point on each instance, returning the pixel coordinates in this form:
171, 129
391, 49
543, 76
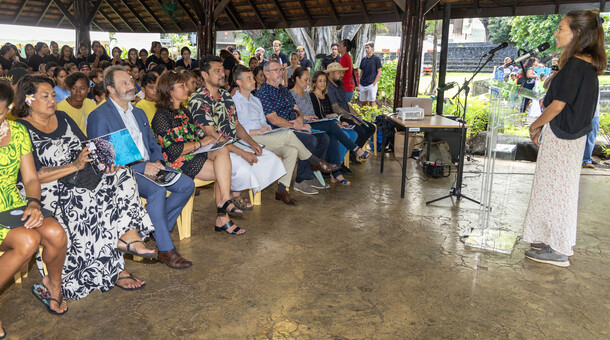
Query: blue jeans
591, 141
349, 96
317, 144
164, 211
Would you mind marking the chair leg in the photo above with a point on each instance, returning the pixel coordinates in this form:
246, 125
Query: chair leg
346, 160
185, 219
375, 142
44, 265
255, 199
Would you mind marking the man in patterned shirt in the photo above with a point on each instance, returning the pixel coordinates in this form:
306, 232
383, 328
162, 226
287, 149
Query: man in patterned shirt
281, 110
213, 111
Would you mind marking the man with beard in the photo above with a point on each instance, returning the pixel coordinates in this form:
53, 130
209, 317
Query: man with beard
213, 111
117, 113
341, 106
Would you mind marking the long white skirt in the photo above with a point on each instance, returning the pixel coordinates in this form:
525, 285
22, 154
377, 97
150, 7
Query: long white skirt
553, 208
258, 176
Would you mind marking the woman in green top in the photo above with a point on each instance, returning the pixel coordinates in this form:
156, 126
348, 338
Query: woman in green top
19, 244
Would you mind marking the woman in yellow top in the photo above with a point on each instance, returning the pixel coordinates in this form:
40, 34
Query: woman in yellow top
20, 243
77, 106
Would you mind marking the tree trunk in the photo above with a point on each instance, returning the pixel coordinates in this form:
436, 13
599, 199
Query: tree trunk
366, 33
437, 31
300, 37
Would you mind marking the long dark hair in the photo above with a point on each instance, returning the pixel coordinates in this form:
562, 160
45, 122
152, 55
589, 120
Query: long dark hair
588, 39
348, 44
6, 92
165, 84
298, 73
28, 85
63, 48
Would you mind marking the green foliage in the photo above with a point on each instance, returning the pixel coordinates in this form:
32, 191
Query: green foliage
604, 128
499, 30
530, 31
266, 41
369, 113
387, 83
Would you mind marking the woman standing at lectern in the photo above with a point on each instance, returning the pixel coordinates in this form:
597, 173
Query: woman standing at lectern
560, 132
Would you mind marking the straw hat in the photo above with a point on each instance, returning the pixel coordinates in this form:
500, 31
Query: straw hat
334, 67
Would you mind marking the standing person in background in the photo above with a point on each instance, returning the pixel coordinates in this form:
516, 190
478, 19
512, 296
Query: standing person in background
134, 59
371, 72
143, 56
528, 80
294, 64
155, 53
54, 55
165, 60
587, 160
345, 46
37, 59
259, 77
29, 52
228, 62
237, 56
66, 56
6, 58
561, 132
304, 62
334, 52
277, 51
187, 62
99, 54
259, 54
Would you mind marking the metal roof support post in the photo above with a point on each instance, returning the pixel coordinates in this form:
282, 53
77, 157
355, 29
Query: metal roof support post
81, 14
409, 61
440, 96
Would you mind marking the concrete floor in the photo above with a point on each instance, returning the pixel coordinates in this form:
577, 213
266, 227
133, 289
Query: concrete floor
354, 263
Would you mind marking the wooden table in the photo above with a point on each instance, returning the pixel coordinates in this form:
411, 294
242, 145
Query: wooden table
429, 123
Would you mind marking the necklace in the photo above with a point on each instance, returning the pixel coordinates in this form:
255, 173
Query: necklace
44, 126
3, 129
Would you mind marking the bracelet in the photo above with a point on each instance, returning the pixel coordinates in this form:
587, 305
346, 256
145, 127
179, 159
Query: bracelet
32, 199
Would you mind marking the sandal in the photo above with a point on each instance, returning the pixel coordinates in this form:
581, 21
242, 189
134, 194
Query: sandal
342, 181
130, 277
228, 225
241, 203
233, 212
365, 155
42, 293
3, 331
128, 251
226, 228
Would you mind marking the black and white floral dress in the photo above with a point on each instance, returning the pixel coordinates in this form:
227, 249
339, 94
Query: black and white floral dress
93, 219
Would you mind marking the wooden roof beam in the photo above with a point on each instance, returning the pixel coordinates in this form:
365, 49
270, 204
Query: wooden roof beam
65, 11
96, 7
279, 9
44, 11
110, 21
220, 8
257, 13
188, 13
364, 11
306, 11
19, 11
400, 4
118, 12
333, 11
171, 17
152, 14
233, 17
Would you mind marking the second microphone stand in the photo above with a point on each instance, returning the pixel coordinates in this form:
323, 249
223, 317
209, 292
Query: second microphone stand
457, 189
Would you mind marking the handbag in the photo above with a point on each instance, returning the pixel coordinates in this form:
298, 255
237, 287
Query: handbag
86, 178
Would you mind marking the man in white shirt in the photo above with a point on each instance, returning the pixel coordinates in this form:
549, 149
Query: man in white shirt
283, 143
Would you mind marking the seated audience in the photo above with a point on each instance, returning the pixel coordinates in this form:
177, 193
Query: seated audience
20, 243
155, 53
77, 106
281, 112
117, 113
83, 53
253, 63
66, 56
103, 222
84, 67
61, 89
134, 59
165, 60
179, 138
99, 93
149, 90
99, 55
187, 62
34, 62
298, 84
285, 144
143, 56
259, 77
70, 67
341, 106
294, 64
213, 111
116, 56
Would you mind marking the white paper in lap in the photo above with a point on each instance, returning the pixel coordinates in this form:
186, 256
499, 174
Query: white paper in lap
258, 176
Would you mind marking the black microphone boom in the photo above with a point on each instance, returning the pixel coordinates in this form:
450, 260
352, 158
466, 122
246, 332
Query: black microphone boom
500, 47
531, 53
446, 87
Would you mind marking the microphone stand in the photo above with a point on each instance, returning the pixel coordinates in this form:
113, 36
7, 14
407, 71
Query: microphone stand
457, 189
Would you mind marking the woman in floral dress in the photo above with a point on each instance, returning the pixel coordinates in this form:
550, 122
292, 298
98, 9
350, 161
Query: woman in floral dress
179, 138
102, 223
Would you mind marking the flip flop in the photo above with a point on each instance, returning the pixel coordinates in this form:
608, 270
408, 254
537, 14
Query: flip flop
42, 293
130, 277
3, 331
130, 252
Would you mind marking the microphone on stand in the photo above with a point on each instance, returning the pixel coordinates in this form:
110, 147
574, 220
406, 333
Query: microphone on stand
531, 53
447, 86
500, 47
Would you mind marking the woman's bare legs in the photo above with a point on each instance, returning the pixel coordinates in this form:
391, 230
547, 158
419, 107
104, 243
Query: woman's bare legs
218, 168
53, 240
